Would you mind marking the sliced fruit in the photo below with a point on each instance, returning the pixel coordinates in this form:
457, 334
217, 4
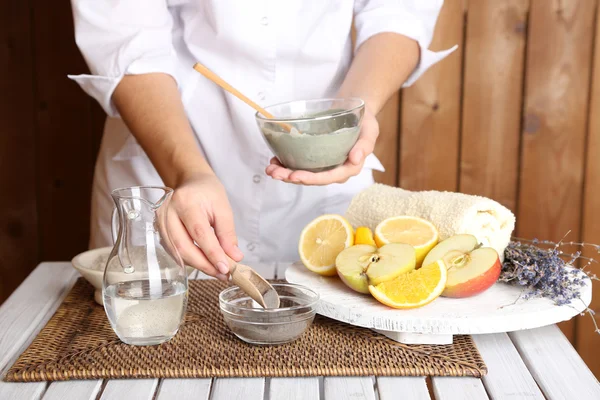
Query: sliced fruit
461, 243
471, 269
419, 233
363, 265
414, 289
364, 236
322, 240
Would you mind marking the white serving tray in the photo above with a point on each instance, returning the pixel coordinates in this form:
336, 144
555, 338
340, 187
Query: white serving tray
495, 310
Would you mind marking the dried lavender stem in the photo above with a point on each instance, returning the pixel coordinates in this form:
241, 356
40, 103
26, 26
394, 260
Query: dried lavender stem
544, 272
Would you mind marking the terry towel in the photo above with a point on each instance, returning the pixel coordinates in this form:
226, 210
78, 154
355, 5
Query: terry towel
452, 213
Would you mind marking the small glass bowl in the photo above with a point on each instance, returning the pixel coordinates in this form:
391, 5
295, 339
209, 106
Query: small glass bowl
312, 135
256, 325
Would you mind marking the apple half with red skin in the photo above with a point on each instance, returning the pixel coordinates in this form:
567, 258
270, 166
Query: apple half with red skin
472, 269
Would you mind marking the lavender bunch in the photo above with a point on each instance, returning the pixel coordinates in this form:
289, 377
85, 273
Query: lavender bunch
547, 272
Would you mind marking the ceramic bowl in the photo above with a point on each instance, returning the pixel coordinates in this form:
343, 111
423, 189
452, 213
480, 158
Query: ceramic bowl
256, 325
312, 135
86, 264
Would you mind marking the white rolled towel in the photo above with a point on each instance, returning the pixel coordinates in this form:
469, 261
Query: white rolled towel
452, 213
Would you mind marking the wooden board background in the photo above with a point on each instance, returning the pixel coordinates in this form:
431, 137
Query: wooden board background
514, 115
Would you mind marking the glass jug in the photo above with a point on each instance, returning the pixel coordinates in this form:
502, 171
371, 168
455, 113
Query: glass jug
145, 283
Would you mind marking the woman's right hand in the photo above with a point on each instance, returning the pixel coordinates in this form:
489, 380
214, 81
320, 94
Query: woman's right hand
200, 212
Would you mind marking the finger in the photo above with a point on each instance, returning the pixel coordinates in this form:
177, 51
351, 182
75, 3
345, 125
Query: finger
337, 175
277, 170
279, 173
185, 246
198, 227
365, 144
361, 150
225, 230
273, 165
270, 168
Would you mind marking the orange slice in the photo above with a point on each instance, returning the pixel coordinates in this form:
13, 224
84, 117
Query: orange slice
413, 289
364, 236
419, 233
322, 240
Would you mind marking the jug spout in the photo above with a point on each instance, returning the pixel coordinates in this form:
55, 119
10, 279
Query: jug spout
152, 197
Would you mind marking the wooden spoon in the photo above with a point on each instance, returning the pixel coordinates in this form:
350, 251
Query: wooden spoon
219, 81
254, 285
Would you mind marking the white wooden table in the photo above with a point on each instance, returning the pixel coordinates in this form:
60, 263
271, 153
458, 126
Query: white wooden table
533, 364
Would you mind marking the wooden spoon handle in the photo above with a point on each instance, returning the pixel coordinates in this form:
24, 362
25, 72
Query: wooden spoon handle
222, 83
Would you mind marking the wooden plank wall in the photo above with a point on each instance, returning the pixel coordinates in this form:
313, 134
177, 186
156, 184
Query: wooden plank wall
430, 128
588, 345
555, 120
18, 201
48, 140
492, 99
513, 114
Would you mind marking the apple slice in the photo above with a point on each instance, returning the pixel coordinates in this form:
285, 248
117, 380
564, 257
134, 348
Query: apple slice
471, 269
458, 243
363, 265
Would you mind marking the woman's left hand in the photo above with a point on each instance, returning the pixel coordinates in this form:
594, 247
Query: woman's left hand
352, 167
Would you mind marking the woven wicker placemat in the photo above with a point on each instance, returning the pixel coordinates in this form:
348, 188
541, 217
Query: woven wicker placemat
78, 343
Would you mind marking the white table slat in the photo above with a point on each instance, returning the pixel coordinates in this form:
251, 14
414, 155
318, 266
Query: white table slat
31, 306
392, 388
14, 391
193, 275
24, 314
354, 388
76, 390
238, 389
202, 275
458, 388
184, 389
294, 388
508, 377
130, 389
280, 269
557, 368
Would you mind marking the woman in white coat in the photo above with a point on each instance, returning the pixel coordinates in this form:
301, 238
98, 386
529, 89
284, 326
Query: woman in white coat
168, 125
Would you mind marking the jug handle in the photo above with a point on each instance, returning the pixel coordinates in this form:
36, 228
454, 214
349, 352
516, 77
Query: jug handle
114, 225
114, 230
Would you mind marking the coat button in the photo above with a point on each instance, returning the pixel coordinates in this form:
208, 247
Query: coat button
261, 95
264, 21
251, 246
256, 179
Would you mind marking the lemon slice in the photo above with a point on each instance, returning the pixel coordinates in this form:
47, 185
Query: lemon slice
322, 240
419, 233
413, 289
364, 236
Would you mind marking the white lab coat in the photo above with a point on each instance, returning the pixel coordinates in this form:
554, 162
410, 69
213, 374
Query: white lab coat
271, 50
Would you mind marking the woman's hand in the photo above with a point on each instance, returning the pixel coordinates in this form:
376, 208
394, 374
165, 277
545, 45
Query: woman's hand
396, 57
353, 165
200, 212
